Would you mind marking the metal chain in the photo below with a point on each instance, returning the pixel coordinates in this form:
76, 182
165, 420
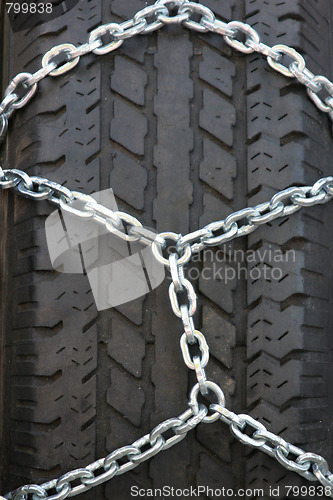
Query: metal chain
309, 465
78, 204
282, 204
81, 480
179, 286
63, 58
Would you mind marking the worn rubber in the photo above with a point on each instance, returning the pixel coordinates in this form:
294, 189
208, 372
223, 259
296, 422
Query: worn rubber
185, 130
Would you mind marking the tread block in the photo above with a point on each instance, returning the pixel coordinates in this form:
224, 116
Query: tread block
129, 80
217, 117
220, 334
125, 168
217, 71
128, 127
127, 347
126, 396
218, 169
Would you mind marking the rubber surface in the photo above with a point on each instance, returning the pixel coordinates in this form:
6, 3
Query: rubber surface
185, 130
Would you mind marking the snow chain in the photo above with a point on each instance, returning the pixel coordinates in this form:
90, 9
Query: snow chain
60, 60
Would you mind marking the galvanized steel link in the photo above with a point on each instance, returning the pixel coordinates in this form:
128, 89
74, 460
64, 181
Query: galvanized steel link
322, 82
103, 214
43, 72
3, 126
217, 26
305, 77
6, 106
148, 12
177, 273
191, 295
193, 403
13, 177
201, 375
252, 37
21, 79
319, 469
157, 249
196, 8
203, 346
187, 323
129, 220
96, 36
64, 49
263, 49
130, 29
193, 421
298, 61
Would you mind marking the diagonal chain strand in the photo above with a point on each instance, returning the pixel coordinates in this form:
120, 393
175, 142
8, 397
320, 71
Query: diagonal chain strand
309, 465
61, 59
81, 480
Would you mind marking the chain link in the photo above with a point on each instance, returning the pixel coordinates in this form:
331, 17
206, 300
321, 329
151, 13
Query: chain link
29, 90
65, 50
194, 404
203, 346
96, 37
152, 11
297, 60
252, 37
191, 296
205, 14
130, 29
327, 105
63, 58
157, 249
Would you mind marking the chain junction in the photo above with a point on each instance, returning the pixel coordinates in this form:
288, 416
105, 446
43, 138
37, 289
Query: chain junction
285, 60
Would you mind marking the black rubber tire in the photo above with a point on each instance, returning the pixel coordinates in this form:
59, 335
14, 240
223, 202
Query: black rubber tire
185, 130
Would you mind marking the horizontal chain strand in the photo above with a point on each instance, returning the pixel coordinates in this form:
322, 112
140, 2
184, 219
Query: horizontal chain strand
283, 203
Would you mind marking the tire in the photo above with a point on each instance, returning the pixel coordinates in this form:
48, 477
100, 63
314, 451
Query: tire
185, 130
